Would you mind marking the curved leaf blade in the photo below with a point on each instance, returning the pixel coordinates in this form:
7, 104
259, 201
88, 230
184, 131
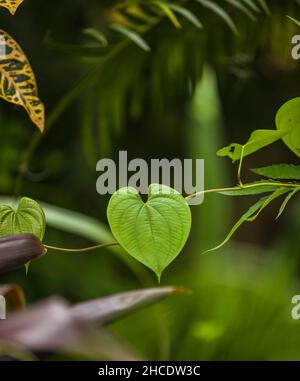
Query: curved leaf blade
264, 6
251, 4
219, 11
133, 36
187, 14
288, 117
297, 22
17, 80
286, 201
109, 308
279, 171
245, 217
168, 12
237, 4
258, 139
277, 193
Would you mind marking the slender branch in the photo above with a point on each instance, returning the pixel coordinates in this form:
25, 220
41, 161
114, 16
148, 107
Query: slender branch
239, 173
83, 250
240, 187
214, 190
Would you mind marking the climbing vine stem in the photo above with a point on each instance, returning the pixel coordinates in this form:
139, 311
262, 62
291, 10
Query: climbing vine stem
83, 250
214, 190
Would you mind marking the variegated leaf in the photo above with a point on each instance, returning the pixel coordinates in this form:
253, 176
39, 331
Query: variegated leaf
11, 5
17, 80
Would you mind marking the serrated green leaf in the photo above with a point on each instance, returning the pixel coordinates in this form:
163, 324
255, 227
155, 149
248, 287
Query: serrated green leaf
187, 14
243, 219
133, 36
258, 139
286, 200
237, 4
168, 12
279, 171
220, 12
288, 117
29, 217
153, 232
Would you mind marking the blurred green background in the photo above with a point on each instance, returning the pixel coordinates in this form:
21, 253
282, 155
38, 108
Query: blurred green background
197, 90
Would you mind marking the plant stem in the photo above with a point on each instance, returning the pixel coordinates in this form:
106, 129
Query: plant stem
83, 250
240, 168
215, 190
242, 186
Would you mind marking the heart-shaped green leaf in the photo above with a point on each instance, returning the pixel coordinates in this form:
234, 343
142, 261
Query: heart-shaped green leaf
288, 117
29, 217
153, 232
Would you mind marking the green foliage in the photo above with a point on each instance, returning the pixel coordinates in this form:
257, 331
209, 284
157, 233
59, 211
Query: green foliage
277, 193
253, 212
245, 217
133, 36
167, 10
29, 217
288, 129
258, 139
153, 232
279, 171
286, 200
240, 6
297, 22
219, 11
251, 189
123, 86
288, 117
190, 16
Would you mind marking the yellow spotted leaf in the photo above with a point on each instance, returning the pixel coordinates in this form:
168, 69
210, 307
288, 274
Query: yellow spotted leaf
11, 5
17, 80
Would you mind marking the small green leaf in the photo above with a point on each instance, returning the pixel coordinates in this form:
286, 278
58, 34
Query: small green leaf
250, 212
219, 11
258, 139
286, 200
29, 217
153, 232
168, 12
288, 117
279, 171
133, 36
187, 14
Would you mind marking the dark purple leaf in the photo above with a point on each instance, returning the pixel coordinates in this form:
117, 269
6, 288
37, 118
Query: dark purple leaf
107, 309
17, 250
